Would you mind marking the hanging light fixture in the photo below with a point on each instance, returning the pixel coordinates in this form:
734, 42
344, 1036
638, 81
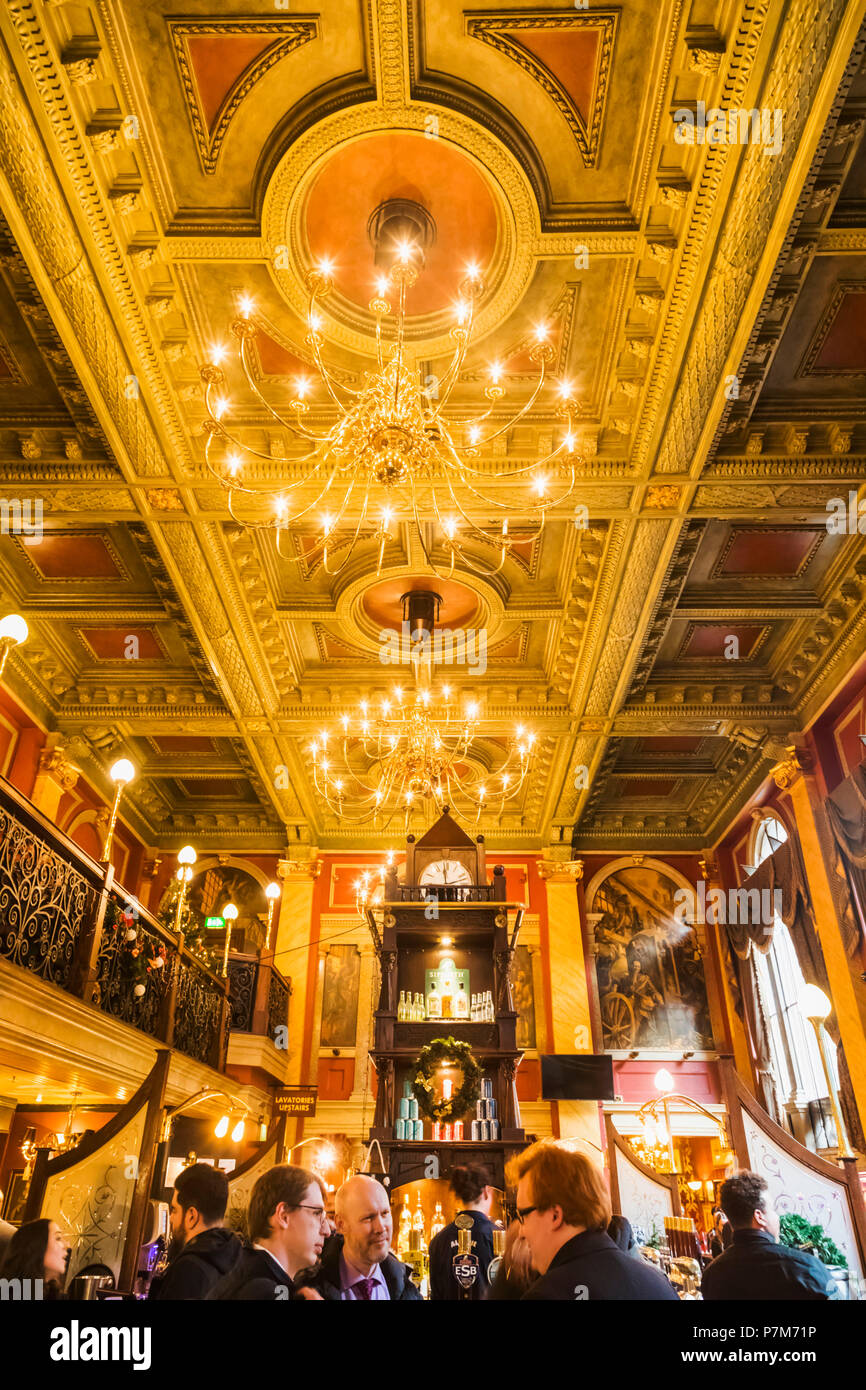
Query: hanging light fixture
392, 453
411, 750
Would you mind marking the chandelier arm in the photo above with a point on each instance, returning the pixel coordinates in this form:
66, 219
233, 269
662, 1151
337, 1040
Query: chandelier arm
524, 409
236, 485
450, 379
296, 427
354, 541
313, 339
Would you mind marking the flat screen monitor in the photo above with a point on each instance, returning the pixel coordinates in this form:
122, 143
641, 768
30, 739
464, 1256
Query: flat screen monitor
580, 1077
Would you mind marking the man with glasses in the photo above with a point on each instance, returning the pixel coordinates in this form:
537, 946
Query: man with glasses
357, 1265
287, 1228
563, 1206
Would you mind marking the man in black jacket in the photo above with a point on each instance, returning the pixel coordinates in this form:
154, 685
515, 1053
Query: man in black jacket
470, 1184
287, 1225
357, 1264
755, 1266
201, 1249
564, 1207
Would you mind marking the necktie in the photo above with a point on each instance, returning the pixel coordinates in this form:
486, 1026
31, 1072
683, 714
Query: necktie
364, 1289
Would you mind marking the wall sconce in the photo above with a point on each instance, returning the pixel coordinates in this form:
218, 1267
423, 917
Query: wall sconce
121, 774
13, 631
221, 1128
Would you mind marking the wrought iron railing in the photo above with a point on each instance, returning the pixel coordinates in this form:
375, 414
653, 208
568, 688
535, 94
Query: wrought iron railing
259, 996
43, 899
279, 990
62, 918
447, 893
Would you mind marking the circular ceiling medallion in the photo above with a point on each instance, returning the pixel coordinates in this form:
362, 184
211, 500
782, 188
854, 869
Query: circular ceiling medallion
381, 602
390, 167
332, 178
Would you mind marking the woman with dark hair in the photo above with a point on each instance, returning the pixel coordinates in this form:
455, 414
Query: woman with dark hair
515, 1275
38, 1251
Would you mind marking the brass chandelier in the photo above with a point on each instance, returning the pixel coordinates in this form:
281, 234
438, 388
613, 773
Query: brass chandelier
391, 455
408, 752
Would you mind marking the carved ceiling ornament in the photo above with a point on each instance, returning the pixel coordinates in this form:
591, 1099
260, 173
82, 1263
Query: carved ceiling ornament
287, 35
501, 31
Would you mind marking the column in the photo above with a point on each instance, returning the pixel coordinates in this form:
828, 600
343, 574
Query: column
296, 955
571, 1022
794, 775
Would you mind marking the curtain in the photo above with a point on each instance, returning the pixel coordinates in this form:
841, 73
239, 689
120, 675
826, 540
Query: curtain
782, 872
846, 814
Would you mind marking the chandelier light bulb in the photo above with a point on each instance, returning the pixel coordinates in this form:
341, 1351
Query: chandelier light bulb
391, 437
13, 629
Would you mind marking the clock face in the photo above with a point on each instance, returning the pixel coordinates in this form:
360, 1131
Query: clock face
446, 871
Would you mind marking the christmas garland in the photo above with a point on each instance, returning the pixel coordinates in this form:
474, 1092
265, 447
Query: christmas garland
137, 957
459, 1054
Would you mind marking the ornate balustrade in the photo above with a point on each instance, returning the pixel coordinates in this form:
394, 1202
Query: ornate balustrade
63, 918
259, 996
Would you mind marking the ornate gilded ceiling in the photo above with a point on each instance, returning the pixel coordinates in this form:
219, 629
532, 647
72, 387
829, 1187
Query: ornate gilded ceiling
706, 301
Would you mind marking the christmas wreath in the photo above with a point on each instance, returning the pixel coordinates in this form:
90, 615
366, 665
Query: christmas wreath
431, 1058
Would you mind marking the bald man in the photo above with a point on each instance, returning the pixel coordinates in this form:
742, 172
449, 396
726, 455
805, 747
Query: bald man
357, 1264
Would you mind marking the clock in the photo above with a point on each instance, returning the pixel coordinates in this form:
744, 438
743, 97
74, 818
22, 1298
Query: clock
449, 871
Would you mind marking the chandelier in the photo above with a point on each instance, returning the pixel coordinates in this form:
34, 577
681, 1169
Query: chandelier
391, 455
409, 752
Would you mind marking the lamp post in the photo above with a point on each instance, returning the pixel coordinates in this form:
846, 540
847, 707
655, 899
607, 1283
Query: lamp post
230, 914
121, 774
186, 857
13, 631
816, 1006
272, 892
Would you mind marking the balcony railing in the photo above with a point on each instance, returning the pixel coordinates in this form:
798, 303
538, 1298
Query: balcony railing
64, 919
259, 997
450, 893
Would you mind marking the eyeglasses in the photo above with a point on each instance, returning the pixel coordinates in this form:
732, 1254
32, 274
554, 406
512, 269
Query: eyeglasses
317, 1211
523, 1212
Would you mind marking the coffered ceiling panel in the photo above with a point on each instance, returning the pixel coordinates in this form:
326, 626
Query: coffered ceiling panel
670, 628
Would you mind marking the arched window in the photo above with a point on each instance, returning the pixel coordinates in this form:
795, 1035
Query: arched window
794, 1054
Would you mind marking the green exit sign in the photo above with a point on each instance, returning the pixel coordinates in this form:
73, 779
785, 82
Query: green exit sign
215, 923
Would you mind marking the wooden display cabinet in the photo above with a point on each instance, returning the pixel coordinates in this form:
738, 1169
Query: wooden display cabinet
445, 898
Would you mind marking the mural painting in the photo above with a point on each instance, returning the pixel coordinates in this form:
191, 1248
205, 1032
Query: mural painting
523, 995
340, 996
651, 986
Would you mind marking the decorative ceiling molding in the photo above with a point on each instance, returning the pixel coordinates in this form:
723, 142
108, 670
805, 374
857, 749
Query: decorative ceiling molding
280, 38
502, 31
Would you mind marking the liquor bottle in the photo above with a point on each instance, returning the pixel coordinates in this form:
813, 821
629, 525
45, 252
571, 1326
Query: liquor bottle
422, 1012
401, 1007
418, 1220
490, 1014
447, 997
438, 1222
461, 1003
434, 1003
404, 1228
473, 1009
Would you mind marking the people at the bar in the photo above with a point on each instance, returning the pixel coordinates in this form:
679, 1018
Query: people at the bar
564, 1207
202, 1250
755, 1266
287, 1226
37, 1252
357, 1263
516, 1273
472, 1189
